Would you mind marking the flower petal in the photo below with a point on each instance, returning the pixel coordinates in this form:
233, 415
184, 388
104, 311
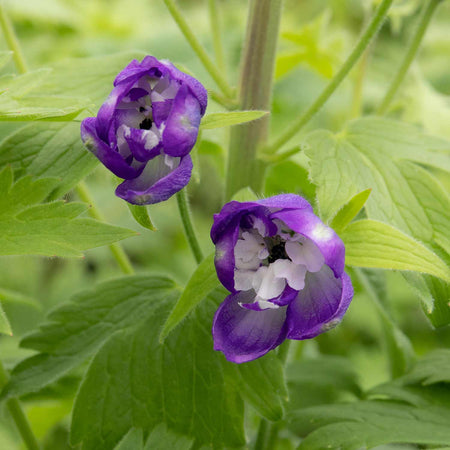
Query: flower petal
181, 130
243, 334
320, 305
110, 157
309, 225
158, 182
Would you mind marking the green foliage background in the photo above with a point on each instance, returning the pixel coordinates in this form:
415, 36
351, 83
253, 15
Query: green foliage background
316, 37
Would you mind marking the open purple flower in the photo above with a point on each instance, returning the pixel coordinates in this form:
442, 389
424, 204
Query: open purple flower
285, 271
146, 129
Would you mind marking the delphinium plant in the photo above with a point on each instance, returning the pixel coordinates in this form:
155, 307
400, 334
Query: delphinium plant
227, 334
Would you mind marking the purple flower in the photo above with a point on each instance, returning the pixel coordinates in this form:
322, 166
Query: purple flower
146, 129
285, 271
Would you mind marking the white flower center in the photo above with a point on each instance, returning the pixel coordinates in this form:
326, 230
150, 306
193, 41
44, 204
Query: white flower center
267, 264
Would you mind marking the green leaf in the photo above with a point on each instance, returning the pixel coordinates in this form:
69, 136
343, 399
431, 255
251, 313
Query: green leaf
245, 195
349, 211
141, 215
49, 229
23, 312
95, 315
133, 440
399, 348
48, 150
434, 367
370, 243
289, 176
262, 383
226, 119
5, 327
387, 156
201, 283
325, 371
133, 380
163, 439
367, 424
90, 78
17, 105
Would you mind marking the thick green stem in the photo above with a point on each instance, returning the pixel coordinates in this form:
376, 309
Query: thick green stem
116, 249
11, 41
413, 47
255, 92
198, 48
216, 31
185, 214
19, 417
334, 83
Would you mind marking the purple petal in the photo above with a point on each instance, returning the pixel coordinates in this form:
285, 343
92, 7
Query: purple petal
144, 144
161, 111
105, 115
309, 225
194, 85
149, 66
224, 259
320, 305
244, 335
157, 183
108, 156
181, 130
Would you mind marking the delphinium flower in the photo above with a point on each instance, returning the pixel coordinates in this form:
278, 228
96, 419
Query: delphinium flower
146, 128
285, 270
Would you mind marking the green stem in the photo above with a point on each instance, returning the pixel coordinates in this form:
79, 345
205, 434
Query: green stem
216, 30
263, 433
198, 48
367, 36
11, 41
413, 47
185, 214
116, 249
18, 415
255, 92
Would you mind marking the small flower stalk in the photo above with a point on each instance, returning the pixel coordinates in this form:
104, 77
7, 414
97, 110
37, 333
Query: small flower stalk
285, 271
146, 128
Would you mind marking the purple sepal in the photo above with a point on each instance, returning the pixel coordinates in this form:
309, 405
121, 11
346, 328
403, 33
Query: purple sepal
155, 185
111, 159
153, 111
245, 329
309, 225
181, 130
320, 306
242, 334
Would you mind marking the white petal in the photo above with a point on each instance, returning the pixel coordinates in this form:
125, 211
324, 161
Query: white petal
305, 252
243, 279
266, 284
293, 273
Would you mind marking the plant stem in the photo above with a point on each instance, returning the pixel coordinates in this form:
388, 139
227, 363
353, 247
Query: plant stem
216, 30
255, 92
262, 435
116, 249
413, 47
365, 39
185, 214
198, 48
11, 41
18, 415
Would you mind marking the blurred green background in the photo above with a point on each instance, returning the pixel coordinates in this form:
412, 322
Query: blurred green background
316, 37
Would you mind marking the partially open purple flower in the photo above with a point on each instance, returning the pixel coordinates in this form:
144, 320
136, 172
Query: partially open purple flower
285, 271
146, 129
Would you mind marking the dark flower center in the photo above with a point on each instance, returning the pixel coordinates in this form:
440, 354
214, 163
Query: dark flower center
146, 124
278, 251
